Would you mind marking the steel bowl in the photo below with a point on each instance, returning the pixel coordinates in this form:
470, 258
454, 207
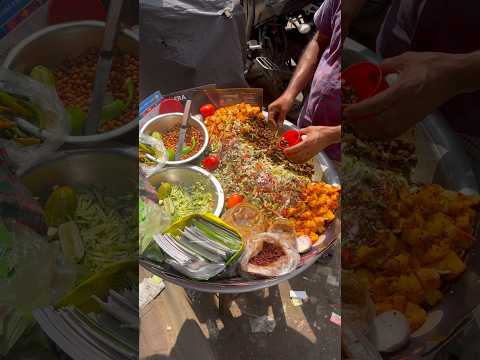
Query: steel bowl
53, 44
116, 170
189, 175
165, 122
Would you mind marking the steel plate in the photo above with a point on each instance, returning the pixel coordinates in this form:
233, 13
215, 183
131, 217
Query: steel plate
326, 171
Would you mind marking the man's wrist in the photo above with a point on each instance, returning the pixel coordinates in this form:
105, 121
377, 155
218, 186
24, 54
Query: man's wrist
465, 71
289, 96
333, 134
336, 134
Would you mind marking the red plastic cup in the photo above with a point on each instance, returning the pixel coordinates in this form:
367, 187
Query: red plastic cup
289, 138
365, 78
170, 106
60, 11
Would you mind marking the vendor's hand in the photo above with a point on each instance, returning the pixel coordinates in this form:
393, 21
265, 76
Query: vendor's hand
277, 110
314, 140
425, 81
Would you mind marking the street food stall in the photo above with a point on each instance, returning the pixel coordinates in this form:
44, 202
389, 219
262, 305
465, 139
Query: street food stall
280, 215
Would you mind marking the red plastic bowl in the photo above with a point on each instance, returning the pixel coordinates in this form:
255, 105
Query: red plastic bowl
291, 137
365, 78
170, 106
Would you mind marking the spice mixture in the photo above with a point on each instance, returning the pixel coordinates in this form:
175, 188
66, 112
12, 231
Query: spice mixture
268, 255
264, 137
349, 96
396, 154
74, 83
193, 141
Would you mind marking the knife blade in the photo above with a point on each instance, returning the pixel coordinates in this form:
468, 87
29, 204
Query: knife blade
183, 130
103, 67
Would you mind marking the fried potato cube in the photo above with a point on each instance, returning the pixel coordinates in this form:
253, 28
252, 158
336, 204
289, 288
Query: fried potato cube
409, 286
365, 253
397, 264
382, 287
459, 238
464, 221
416, 316
399, 302
435, 226
365, 276
389, 239
452, 263
435, 253
412, 236
383, 306
433, 296
429, 278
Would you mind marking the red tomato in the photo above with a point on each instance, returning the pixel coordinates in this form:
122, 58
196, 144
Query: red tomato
233, 200
207, 110
211, 162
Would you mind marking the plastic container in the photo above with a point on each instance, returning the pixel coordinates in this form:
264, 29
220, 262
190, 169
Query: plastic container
365, 78
289, 138
170, 106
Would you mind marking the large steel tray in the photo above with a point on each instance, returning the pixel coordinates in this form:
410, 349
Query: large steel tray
324, 169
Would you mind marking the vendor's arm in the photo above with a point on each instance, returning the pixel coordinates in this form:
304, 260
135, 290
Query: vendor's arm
425, 81
302, 76
314, 140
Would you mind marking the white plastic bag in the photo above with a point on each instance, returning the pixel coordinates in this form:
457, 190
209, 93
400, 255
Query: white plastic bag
160, 149
56, 121
31, 277
284, 264
154, 219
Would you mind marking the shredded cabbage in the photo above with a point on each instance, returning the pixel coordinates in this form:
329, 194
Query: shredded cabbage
108, 227
184, 201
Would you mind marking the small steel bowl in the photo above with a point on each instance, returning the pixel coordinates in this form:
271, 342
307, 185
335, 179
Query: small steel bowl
189, 175
165, 122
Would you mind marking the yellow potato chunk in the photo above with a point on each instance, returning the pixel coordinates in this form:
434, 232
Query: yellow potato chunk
399, 302
433, 296
429, 278
451, 263
383, 306
435, 253
398, 264
416, 316
409, 286
412, 236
